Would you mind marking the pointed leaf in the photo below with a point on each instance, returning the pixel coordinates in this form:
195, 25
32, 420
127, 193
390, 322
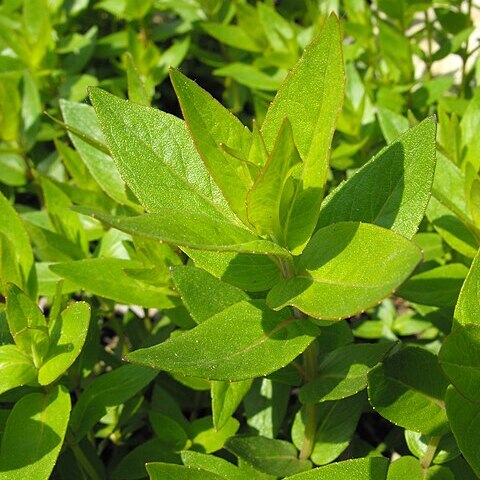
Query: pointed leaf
346, 268
243, 341
311, 98
467, 309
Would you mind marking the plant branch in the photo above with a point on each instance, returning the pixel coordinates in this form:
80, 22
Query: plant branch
429, 454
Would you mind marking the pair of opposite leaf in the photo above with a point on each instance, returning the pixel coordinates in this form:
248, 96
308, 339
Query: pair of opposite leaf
205, 196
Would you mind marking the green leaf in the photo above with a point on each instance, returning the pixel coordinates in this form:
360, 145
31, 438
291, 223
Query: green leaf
460, 360
27, 324
275, 457
210, 124
392, 190
370, 468
112, 388
346, 268
12, 228
136, 88
243, 341
405, 467
468, 304
157, 158
232, 35
206, 438
343, 372
265, 196
203, 294
107, 277
408, 389
68, 332
391, 123
213, 464
251, 76
438, 287
311, 98
336, 423
167, 471
194, 230
226, 397
34, 435
81, 118
17, 368
465, 424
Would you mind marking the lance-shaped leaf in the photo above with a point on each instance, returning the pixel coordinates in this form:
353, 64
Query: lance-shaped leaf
464, 421
211, 124
369, 468
408, 389
392, 189
311, 98
34, 434
265, 196
467, 309
203, 294
68, 332
157, 158
243, 341
188, 229
346, 268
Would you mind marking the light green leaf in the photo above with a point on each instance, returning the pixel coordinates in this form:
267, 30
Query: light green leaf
243, 341
346, 268
343, 372
68, 332
210, 124
251, 76
405, 467
213, 464
136, 88
34, 435
311, 98
408, 389
203, 294
438, 287
81, 118
16, 368
370, 468
468, 304
392, 190
275, 457
12, 228
157, 158
205, 438
460, 360
465, 424
265, 196
232, 35
391, 123
188, 229
112, 388
164, 471
226, 397
107, 277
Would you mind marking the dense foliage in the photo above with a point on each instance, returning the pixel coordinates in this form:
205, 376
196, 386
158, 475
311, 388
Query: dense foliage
239, 240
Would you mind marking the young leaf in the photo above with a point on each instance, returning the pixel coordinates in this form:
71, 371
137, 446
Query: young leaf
68, 332
468, 304
392, 190
343, 372
211, 124
226, 397
465, 424
12, 228
162, 471
34, 435
213, 464
112, 388
194, 230
136, 88
17, 368
408, 389
203, 294
346, 268
243, 341
405, 467
311, 98
107, 277
157, 158
275, 457
265, 196
369, 468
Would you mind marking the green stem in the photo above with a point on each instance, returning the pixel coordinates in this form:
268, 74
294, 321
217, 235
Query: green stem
429, 454
429, 46
465, 56
85, 463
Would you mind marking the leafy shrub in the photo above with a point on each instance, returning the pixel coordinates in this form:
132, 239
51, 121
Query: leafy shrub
217, 297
